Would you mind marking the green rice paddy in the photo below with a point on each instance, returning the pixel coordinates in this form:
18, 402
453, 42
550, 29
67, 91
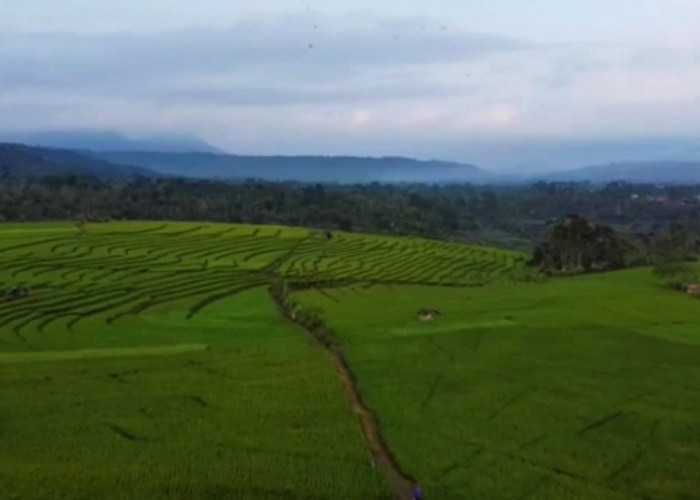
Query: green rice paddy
577, 388
148, 361
117, 272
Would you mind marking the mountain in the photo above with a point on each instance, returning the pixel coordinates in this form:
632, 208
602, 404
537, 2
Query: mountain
672, 172
22, 161
108, 140
341, 169
172, 144
526, 157
19, 160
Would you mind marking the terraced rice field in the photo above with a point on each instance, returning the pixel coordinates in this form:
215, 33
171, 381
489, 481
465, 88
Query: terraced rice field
116, 271
148, 361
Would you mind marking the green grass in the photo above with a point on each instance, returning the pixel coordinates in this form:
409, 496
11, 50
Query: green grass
577, 388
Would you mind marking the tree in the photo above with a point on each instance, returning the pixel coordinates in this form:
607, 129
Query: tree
576, 245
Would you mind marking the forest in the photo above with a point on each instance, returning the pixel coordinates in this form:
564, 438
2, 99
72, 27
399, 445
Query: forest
515, 217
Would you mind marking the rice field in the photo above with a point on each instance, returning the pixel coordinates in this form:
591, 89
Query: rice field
254, 413
148, 361
577, 388
117, 271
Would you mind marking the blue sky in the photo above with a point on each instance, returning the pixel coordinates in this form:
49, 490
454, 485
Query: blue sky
363, 77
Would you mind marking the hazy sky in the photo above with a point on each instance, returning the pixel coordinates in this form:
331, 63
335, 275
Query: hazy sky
364, 77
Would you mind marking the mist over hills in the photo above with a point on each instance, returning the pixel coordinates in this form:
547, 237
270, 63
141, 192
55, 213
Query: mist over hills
19, 160
672, 172
191, 157
342, 169
541, 156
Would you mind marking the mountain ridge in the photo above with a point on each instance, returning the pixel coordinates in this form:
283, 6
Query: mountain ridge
342, 169
667, 171
110, 140
21, 160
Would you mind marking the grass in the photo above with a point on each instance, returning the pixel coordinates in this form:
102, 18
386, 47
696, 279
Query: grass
577, 388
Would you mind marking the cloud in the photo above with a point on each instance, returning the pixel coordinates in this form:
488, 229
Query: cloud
288, 62
85, 60
288, 85
499, 116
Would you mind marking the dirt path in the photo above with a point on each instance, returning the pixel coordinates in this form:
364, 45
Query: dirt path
383, 458
400, 483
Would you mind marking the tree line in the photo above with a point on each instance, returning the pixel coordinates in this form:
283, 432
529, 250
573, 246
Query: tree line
651, 219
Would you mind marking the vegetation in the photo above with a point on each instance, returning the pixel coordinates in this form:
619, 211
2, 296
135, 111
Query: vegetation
677, 275
513, 217
253, 413
159, 366
583, 387
675, 256
576, 245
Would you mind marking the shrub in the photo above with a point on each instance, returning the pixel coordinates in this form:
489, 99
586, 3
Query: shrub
676, 275
310, 317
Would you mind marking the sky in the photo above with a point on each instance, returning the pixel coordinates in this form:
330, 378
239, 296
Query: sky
438, 79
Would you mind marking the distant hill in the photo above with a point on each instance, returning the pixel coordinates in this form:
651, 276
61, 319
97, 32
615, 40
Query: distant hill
111, 141
675, 172
19, 160
529, 156
22, 161
298, 168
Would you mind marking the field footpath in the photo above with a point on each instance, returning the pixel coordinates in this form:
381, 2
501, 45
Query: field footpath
402, 485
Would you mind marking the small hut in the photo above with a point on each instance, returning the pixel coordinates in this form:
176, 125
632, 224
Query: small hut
428, 314
693, 289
